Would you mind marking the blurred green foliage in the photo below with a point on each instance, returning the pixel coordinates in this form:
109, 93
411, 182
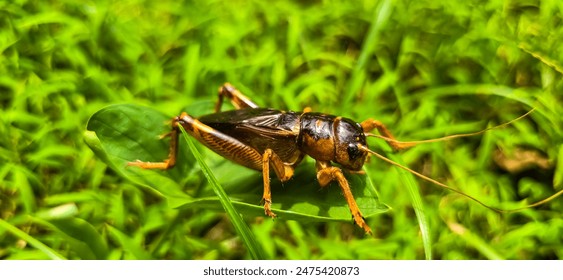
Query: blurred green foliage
424, 68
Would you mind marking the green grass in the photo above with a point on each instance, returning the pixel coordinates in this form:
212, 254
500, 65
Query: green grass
424, 68
243, 231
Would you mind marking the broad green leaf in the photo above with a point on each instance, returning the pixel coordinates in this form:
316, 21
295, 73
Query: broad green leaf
122, 133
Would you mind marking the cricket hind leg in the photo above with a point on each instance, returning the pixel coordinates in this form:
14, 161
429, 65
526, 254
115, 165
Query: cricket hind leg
170, 161
238, 99
222, 144
326, 174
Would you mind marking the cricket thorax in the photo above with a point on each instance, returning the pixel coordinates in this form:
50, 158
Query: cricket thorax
330, 138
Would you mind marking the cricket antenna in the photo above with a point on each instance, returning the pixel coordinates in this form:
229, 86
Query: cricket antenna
408, 144
426, 178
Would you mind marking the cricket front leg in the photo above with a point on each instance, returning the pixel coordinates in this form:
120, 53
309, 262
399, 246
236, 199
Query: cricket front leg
238, 99
326, 174
284, 172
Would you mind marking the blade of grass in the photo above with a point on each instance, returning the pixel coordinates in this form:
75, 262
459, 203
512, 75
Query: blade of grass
558, 175
241, 227
523, 96
129, 244
475, 241
81, 236
380, 17
417, 204
29, 239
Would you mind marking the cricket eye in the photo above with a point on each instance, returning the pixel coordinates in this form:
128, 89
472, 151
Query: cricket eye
353, 152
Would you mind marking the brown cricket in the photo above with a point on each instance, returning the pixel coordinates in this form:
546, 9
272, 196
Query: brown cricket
268, 139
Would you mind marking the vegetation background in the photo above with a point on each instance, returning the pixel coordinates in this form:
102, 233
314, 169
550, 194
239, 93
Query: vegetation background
425, 68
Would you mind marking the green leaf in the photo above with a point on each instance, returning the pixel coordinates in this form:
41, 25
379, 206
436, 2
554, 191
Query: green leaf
54, 255
83, 238
122, 133
558, 176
